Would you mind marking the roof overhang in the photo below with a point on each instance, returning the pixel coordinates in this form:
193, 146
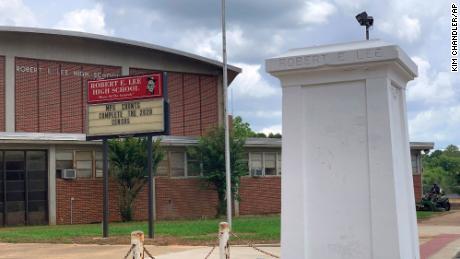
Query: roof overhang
179, 141
116, 40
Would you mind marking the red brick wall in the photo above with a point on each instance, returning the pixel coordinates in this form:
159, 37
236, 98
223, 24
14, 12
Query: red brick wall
261, 195
51, 95
184, 198
26, 94
176, 108
193, 102
417, 179
87, 204
176, 198
49, 98
192, 105
209, 103
2, 93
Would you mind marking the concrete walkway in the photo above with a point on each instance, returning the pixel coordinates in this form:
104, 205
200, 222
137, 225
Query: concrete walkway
440, 236
65, 251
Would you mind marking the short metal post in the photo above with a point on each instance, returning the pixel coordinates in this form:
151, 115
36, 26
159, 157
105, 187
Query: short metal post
137, 241
105, 169
150, 174
224, 235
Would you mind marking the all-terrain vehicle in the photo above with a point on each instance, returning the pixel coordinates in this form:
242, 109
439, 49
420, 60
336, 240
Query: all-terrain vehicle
434, 202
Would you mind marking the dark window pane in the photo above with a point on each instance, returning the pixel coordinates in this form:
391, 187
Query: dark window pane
15, 165
37, 185
193, 168
14, 206
37, 206
36, 160
14, 186
14, 155
15, 175
16, 213
64, 164
38, 196
37, 175
37, 213
15, 196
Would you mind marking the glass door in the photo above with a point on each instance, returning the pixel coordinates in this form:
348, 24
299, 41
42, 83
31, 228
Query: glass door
2, 191
23, 187
15, 187
37, 188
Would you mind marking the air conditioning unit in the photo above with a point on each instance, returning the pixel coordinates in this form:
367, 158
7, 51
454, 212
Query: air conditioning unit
69, 174
256, 172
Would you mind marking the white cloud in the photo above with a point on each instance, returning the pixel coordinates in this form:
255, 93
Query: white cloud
404, 27
438, 124
15, 12
87, 20
351, 5
272, 129
208, 43
263, 114
430, 86
250, 83
316, 12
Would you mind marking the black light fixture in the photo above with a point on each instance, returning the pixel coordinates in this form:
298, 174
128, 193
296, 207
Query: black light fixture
365, 20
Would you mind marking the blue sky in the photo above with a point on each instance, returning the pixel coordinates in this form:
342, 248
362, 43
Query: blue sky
258, 29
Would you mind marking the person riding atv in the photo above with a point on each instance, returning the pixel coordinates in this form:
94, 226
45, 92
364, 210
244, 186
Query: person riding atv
434, 200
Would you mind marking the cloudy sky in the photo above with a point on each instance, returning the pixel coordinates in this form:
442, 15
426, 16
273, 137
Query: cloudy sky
258, 29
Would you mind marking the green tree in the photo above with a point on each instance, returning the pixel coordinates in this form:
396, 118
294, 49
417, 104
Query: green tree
242, 128
276, 135
443, 167
451, 148
128, 164
211, 152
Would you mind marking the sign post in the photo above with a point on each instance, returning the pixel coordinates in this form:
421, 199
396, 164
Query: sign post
127, 106
150, 174
105, 172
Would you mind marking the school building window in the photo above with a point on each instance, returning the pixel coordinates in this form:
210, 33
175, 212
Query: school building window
264, 163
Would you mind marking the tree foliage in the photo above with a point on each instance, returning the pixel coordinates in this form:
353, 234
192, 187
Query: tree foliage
128, 164
211, 152
242, 128
443, 168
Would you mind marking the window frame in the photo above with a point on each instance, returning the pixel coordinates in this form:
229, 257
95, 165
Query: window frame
278, 167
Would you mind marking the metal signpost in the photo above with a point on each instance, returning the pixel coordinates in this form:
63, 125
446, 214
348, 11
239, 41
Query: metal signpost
127, 106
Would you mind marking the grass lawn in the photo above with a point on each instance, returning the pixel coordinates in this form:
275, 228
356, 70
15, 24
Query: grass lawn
429, 214
260, 229
265, 229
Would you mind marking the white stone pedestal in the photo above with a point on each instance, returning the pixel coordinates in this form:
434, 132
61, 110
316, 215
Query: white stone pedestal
347, 184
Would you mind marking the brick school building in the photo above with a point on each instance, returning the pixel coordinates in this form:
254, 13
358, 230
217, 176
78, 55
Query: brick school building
43, 93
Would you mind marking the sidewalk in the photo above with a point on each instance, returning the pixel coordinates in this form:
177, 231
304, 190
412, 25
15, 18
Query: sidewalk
66, 251
440, 236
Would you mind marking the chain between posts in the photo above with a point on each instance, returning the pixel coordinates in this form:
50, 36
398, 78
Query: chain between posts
256, 248
210, 252
129, 251
148, 253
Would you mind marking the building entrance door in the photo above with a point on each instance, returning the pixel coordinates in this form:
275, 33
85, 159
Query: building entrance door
23, 187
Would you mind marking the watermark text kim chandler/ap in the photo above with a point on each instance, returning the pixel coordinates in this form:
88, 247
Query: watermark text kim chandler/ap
454, 38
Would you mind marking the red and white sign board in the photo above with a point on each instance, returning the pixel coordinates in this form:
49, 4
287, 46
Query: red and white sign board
125, 88
126, 106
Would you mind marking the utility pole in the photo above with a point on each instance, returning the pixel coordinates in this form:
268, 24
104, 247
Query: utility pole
227, 130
